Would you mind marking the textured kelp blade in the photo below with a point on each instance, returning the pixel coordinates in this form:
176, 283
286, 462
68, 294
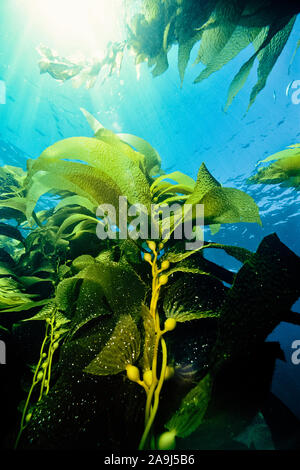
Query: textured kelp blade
47, 312
229, 205
193, 296
240, 78
192, 409
77, 178
122, 349
240, 39
82, 297
112, 166
81, 262
186, 269
184, 52
110, 138
219, 30
205, 182
269, 56
264, 289
118, 142
273, 38
239, 253
152, 158
121, 285
66, 295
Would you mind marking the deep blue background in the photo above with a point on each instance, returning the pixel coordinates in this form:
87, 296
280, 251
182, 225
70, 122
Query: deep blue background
187, 126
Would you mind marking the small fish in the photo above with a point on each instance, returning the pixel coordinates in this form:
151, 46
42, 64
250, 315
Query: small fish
289, 87
40, 132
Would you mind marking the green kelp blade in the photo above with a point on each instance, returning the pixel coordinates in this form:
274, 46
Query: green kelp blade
240, 39
205, 182
219, 30
81, 262
76, 201
176, 176
27, 306
120, 144
239, 253
190, 297
66, 295
77, 178
290, 151
269, 55
182, 316
192, 409
93, 122
122, 349
10, 294
105, 163
229, 205
48, 311
285, 172
74, 219
123, 289
152, 157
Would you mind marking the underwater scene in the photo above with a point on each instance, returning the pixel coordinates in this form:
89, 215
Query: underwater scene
149, 225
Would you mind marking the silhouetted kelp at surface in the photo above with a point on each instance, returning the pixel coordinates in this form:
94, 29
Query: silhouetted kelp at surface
223, 28
113, 323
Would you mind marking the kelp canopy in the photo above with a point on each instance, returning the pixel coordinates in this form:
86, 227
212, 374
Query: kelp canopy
223, 28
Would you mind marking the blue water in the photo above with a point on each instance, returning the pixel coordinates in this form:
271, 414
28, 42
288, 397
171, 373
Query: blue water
186, 125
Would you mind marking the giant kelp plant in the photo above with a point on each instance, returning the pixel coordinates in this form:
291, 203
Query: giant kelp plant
222, 28
132, 333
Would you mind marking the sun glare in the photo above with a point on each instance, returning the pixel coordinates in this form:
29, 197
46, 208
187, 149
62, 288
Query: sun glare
77, 25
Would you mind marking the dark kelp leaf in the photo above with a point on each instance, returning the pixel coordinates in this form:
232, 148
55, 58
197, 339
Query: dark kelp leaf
264, 289
193, 296
66, 295
192, 409
11, 232
123, 289
122, 349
